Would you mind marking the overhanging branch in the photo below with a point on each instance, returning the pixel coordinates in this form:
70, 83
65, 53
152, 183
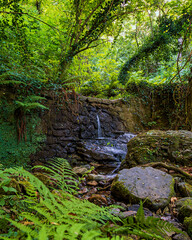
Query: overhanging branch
23, 13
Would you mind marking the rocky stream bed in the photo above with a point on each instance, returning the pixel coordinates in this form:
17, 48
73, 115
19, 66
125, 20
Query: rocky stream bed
166, 192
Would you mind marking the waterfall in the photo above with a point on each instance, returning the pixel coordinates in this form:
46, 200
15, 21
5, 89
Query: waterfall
99, 132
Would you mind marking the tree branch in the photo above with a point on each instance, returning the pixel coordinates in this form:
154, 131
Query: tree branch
23, 13
86, 20
188, 59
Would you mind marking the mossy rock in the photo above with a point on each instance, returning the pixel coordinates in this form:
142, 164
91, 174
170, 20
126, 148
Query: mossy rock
188, 225
159, 146
184, 189
147, 184
184, 206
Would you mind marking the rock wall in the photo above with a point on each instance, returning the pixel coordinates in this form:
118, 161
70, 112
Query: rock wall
69, 121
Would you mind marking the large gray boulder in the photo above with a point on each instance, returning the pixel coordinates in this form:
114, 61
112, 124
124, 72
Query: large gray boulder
147, 184
159, 146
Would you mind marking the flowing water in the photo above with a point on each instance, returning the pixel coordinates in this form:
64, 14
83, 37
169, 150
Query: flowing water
109, 151
99, 131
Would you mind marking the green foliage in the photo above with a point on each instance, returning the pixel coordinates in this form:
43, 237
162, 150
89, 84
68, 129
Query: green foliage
29, 103
146, 227
60, 172
156, 44
18, 153
59, 215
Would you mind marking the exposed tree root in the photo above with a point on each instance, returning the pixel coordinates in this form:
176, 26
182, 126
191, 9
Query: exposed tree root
169, 167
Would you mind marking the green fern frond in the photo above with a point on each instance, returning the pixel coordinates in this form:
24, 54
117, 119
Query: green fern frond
32, 218
60, 231
30, 106
7, 238
61, 171
34, 98
140, 216
91, 235
23, 228
63, 216
10, 78
29, 237
37, 184
10, 81
43, 233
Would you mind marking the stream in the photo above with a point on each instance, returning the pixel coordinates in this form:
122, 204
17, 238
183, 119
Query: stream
108, 152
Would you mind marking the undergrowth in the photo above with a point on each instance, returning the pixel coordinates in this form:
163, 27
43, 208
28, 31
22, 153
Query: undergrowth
57, 214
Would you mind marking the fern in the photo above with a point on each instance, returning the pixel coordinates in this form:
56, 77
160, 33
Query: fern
24, 228
8, 78
56, 210
60, 171
30, 103
147, 227
59, 215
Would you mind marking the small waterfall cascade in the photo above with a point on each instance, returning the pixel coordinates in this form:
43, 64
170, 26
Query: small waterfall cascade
99, 131
108, 152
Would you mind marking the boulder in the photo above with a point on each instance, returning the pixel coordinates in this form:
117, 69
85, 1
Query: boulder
184, 208
147, 184
159, 146
90, 152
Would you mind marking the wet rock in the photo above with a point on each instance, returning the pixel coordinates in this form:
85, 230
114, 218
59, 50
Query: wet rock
181, 236
92, 183
59, 126
135, 207
122, 205
58, 133
100, 177
92, 191
156, 145
83, 191
152, 185
104, 150
80, 170
127, 214
115, 211
98, 200
91, 152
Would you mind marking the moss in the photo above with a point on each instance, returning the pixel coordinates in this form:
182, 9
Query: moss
185, 208
157, 146
188, 225
14, 154
189, 189
121, 192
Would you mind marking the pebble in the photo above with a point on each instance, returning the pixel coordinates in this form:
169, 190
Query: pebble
92, 183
